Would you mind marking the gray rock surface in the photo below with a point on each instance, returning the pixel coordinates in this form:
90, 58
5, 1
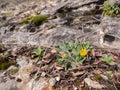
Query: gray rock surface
78, 20
111, 29
22, 80
73, 23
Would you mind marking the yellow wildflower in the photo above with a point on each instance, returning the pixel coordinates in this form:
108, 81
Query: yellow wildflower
83, 52
64, 56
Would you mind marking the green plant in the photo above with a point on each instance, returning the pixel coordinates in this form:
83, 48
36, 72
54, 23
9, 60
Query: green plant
39, 53
107, 59
26, 20
35, 20
70, 54
39, 19
111, 9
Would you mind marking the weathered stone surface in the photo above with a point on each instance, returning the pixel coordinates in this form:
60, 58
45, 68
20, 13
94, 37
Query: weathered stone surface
114, 1
111, 32
74, 19
8, 85
22, 80
93, 84
78, 20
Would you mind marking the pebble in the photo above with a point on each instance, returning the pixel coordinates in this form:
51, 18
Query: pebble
52, 81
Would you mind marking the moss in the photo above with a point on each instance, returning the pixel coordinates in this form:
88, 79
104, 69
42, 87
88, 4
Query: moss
2, 59
8, 13
5, 65
1, 46
97, 77
35, 20
26, 20
6, 53
39, 19
13, 71
53, 26
86, 87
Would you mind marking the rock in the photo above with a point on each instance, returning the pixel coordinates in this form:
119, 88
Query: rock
8, 85
114, 1
33, 85
57, 78
118, 65
12, 70
111, 32
93, 84
25, 71
43, 74
3, 5
52, 81
22, 62
104, 77
58, 35
72, 18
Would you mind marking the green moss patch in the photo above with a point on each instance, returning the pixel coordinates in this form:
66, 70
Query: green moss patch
5, 65
13, 71
97, 77
35, 20
2, 59
26, 20
39, 19
1, 46
4, 62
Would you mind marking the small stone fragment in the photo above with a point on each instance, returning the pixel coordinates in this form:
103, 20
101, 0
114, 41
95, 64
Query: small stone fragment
52, 81
57, 78
104, 77
93, 84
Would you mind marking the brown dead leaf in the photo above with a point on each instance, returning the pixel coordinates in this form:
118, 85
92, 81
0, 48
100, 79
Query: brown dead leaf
115, 58
58, 67
53, 51
45, 32
47, 87
47, 55
97, 62
97, 71
92, 53
79, 73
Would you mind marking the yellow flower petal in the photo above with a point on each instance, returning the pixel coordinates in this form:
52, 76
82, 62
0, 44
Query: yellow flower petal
64, 56
83, 52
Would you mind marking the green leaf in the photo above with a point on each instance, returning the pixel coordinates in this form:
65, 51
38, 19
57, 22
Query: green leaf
75, 52
108, 60
38, 52
83, 59
77, 59
63, 46
73, 65
112, 63
37, 59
